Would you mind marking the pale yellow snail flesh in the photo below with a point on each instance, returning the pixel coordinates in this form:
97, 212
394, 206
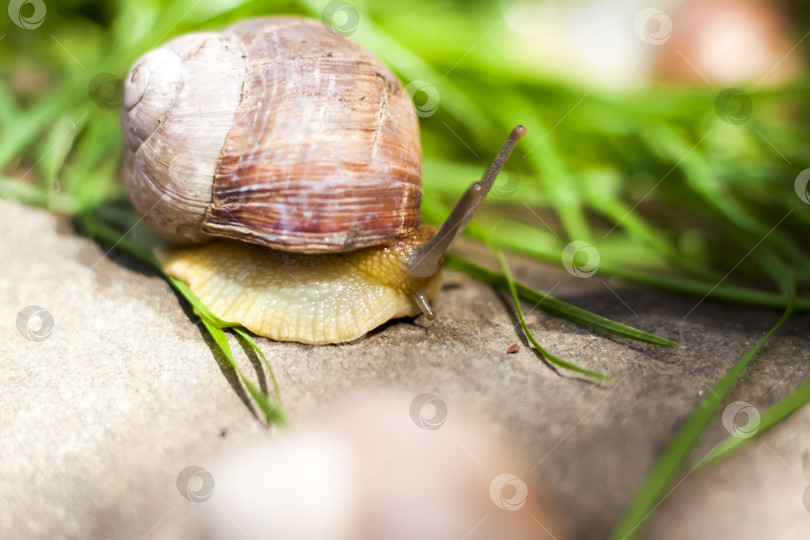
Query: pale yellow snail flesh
310, 298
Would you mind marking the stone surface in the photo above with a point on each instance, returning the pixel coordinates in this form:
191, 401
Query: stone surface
99, 419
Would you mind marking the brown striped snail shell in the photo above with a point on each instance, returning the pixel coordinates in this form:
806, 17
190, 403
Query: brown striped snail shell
300, 151
287, 135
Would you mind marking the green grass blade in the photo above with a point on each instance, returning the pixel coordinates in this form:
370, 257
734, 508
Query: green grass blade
730, 293
28, 124
640, 231
554, 175
36, 196
711, 289
272, 409
663, 473
556, 307
53, 151
272, 412
768, 419
8, 106
200, 310
99, 230
547, 355
276, 391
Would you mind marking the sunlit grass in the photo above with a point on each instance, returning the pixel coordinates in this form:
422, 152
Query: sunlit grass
557, 361
671, 462
654, 170
109, 235
769, 418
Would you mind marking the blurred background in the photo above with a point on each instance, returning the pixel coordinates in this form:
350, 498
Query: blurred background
667, 136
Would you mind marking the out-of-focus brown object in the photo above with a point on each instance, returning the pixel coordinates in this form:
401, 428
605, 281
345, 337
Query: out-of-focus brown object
380, 466
728, 41
513, 348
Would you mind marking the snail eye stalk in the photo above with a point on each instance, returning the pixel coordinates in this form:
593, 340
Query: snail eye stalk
425, 260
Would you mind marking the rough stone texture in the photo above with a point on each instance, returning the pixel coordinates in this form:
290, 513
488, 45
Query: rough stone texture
99, 419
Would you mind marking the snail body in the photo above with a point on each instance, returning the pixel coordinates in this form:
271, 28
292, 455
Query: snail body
312, 298
283, 163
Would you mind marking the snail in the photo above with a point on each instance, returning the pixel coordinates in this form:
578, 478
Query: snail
282, 162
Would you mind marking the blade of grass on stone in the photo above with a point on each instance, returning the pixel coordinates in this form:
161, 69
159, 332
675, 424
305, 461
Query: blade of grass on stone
546, 354
102, 231
244, 335
200, 309
768, 419
272, 411
210, 319
554, 306
665, 470
784, 408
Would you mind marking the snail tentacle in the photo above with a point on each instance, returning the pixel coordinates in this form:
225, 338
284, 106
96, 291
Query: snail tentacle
421, 300
426, 260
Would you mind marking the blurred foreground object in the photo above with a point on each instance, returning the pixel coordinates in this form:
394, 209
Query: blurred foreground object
380, 466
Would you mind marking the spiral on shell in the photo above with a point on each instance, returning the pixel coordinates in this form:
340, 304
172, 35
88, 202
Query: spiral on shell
273, 131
